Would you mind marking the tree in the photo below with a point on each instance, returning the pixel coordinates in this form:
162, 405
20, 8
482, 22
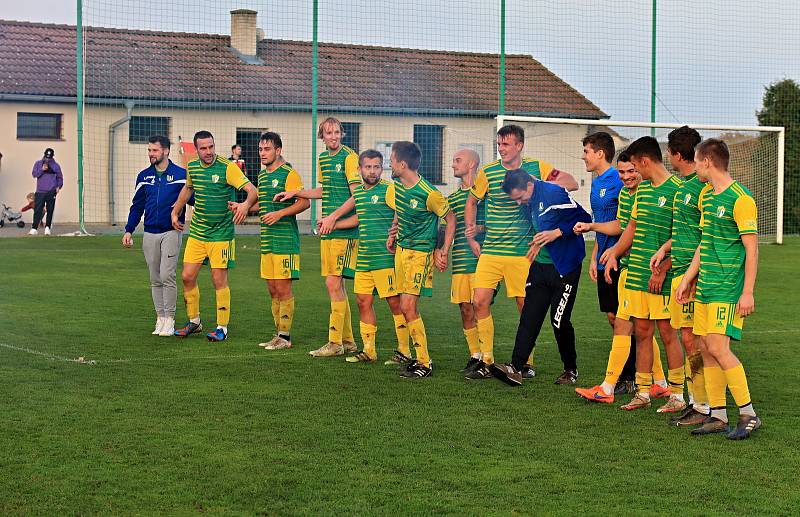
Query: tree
782, 108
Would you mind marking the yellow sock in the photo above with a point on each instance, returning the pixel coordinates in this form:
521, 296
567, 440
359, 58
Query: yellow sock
530, 357
336, 322
486, 339
368, 332
473, 342
698, 378
286, 316
223, 306
192, 300
401, 330
420, 340
620, 350
715, 387
676, 377
276, 312
687, 375
644, 381
658, 368
347, 329
737, 383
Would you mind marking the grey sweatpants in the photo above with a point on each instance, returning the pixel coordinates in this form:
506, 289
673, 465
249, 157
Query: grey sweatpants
161, 252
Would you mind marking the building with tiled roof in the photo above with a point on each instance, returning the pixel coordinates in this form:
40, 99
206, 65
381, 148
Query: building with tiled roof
137, 82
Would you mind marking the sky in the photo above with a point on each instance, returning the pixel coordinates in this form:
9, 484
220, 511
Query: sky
714, 57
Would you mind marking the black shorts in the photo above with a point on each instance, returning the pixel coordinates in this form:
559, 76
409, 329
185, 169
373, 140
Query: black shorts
607, 294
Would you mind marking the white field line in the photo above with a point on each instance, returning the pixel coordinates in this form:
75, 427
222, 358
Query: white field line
284, 353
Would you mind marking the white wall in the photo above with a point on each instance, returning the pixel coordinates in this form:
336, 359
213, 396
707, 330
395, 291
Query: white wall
19, 156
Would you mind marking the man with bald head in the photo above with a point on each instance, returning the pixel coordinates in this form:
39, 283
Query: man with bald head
465, 253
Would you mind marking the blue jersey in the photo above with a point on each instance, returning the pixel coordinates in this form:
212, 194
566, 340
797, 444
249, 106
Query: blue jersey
154, 196
604, 200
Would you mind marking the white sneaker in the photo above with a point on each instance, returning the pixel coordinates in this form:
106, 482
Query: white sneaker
168, 327
47, 230
159, 326
33, 231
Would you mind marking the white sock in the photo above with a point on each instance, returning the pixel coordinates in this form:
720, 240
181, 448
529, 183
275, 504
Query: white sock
747, 410
702, 408
607, 388
720, 414
224, 329
678, 396
195, 320
476, 355
662, 383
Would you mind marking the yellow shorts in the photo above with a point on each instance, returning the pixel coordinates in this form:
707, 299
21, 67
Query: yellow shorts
338, 257
513, 271
717, 318
378, 281
461, 287
220, 255
280, 267
681, 315
644, 305
414, 272
622, 295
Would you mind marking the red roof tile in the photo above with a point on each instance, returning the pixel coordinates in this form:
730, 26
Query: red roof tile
146, 66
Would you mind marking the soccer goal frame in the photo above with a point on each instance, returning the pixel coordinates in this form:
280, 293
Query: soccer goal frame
502, 120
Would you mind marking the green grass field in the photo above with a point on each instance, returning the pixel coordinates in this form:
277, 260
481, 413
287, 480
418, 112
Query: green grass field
168, 426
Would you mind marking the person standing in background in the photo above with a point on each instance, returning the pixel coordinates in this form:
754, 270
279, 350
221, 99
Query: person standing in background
49, 181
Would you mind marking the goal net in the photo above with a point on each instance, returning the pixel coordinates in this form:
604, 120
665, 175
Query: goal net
756, 156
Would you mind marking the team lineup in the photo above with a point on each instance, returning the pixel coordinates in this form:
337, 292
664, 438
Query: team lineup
674, 255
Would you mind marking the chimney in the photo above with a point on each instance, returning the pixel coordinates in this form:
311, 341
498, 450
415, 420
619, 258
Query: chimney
243, 31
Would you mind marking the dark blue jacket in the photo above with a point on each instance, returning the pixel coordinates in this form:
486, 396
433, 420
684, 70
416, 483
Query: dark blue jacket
552, 207
155, 196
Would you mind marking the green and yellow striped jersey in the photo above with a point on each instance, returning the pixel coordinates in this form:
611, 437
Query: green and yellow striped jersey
214, 186
336, 173
623, 216
685, 224
508, 228
464, 261
725, 218
375, 218
652, 211
283, 237
418, 208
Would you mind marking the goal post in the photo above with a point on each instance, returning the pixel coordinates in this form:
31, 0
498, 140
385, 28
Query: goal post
757, 155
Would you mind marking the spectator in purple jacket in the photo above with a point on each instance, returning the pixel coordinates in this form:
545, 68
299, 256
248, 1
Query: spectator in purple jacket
49, 181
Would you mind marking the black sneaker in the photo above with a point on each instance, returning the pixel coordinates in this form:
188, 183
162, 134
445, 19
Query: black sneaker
711, 425
471, 365
744, 427
506, 373
690, 418
416, 370
567, 377
528, 372
688, 410
398, 359
624, 387
481, 371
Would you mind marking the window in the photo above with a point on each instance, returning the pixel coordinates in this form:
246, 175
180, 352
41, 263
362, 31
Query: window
142, 128
429, 140
351, 135
39, 126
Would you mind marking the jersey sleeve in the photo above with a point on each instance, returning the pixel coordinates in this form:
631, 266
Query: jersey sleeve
390, 198
545, 170
293, 181
235, 177
481, 185
351, 169
437, 203
745, 215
